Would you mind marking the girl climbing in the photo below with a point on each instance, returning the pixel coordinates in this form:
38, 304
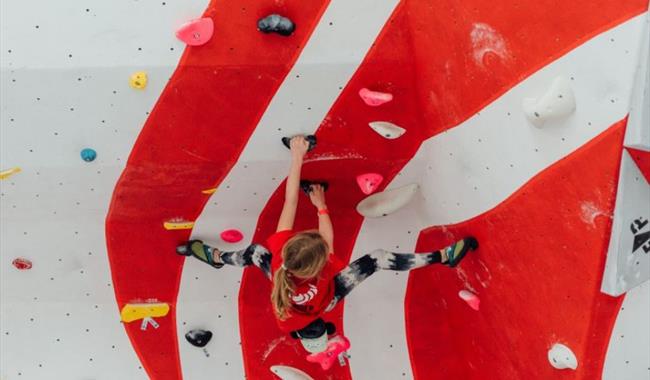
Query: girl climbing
308, 280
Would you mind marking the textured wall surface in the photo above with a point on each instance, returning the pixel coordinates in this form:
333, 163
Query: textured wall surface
550, 205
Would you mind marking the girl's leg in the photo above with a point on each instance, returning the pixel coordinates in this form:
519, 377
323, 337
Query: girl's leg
254, 254
367, 265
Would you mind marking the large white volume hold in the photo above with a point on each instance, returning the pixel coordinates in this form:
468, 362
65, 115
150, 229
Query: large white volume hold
557, 102
387, 130
387, 202
561, 357
289, 373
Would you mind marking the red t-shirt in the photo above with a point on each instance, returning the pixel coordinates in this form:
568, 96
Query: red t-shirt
310, 297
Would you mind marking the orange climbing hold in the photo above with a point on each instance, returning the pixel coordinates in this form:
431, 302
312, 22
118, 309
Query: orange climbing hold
196, 32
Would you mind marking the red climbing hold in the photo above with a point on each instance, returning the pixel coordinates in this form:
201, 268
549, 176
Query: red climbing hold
472, 299
196, 32
22, 264
374, 98
335, 347
369, 182
232, 236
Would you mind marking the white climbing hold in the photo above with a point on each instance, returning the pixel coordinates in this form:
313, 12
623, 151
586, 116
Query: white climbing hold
561, 357
472, 299
386, 129
558, 102
387, 202
289, 373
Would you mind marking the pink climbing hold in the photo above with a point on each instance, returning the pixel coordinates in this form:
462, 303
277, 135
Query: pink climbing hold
472, 299
369, 182
196, 32
374, 98
22, 264
232, 236
336, 346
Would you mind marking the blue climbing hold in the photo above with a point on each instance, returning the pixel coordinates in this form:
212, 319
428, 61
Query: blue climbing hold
88, 155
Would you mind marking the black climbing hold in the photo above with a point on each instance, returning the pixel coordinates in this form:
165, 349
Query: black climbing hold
311, 139
184, 250
305, 185
198, 338
276, 24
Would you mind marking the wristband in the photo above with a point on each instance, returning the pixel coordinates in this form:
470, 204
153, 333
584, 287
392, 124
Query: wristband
323, 212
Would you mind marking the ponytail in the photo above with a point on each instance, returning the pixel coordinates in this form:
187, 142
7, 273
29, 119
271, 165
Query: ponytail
304, 255
282, 287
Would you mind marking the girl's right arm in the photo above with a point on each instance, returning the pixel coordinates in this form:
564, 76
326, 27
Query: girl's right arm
317, 197
299, 148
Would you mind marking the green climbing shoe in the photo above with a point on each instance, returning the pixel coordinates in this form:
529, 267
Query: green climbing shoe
457, 251
201, 251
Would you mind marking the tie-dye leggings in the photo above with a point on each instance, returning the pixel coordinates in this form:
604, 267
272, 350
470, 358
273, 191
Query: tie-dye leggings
347, 279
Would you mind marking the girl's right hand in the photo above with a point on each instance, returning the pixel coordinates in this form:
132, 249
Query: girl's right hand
299, 146
317, 196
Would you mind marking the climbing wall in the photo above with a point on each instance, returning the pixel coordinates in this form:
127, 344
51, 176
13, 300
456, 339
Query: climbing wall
531, 136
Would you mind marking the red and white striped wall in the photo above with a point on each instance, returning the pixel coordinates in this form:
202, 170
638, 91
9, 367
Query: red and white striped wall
541, 201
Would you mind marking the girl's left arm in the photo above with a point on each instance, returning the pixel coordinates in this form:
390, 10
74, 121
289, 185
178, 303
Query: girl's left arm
299, 148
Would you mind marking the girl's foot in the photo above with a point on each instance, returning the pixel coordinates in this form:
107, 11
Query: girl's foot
203, 252
453, 254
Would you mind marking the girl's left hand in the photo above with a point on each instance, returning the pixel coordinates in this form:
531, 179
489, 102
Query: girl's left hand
299, 146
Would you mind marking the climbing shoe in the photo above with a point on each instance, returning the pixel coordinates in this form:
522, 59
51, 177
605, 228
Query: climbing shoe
458, 250
201, 251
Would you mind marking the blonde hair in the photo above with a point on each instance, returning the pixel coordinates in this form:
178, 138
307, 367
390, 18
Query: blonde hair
304, 256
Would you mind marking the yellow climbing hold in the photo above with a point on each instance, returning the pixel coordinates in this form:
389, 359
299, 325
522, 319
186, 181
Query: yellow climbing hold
209, 191
8, 173
134, 311
178, 225
138, 80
